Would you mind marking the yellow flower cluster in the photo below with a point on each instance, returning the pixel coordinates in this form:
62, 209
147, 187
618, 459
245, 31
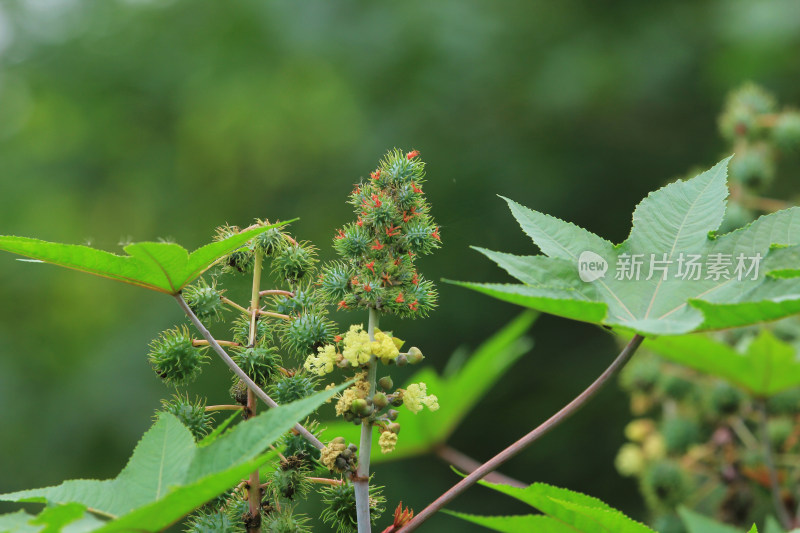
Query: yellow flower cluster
359, 390
416, 395
387, 441
357, 346
384, 348
331, 452
324, 362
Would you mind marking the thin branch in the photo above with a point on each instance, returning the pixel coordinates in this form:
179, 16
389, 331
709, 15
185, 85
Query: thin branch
469, 465
526, 441
325, 481
233, 304
197, 342
224, 407
276, 292
274, 315
238, 371
253, 490
769, 462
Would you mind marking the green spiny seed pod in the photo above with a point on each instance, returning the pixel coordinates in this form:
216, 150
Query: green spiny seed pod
241, 330
287, 389
285, 521
665, 485
785, 402
679, 433
725, 399
669, 523
292, 261
674, 386
304, 299
420, 236
340, 506
288, 482
240, 260
352, 242
779, 429
786, 131
393, 227
193, 415
306, 332
174, 357
753, 167
269, 241
262, 365
204, 300
334, 282
641, 374
214, 522
298, 446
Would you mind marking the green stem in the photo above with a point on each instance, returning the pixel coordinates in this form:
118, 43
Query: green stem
361, 484
780, 508
254, 486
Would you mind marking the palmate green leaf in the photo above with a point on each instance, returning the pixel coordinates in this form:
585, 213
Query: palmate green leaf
672, 224
766, 367
578, 512
457, 394
160, 266
168, 475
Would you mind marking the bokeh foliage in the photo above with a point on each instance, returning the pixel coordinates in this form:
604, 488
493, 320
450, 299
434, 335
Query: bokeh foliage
138, 120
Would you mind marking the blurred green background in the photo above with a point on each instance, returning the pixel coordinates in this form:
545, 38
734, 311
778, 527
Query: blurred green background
140, 120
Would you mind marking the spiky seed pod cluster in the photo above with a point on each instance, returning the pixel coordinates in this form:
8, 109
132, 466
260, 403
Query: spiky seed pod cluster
340, 506
291, 261
214, 522
261, 364
298, 446
290, 479
742, 110
752, 121
304, 299
306, 332
193, 415
285, 520
393, 228
240, 330
174, 357
296, 386
204, 300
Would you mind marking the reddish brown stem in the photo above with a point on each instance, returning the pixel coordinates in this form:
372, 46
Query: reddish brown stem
469, 465
276, 292
526, 441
